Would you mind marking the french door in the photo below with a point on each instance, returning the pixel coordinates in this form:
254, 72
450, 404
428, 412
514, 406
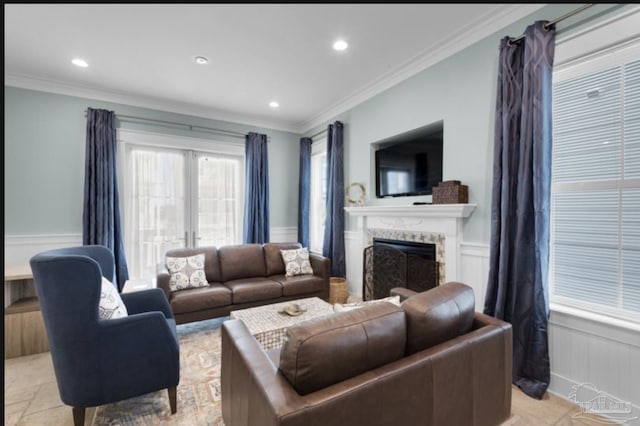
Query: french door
178, 198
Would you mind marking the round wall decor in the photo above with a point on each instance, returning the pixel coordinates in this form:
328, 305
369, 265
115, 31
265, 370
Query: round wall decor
355, 193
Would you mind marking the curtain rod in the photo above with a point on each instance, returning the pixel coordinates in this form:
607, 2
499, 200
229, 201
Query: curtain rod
134, 119
319, 133
555, 21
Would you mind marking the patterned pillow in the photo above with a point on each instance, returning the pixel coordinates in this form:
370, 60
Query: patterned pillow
296, 262
111, 304
186, 272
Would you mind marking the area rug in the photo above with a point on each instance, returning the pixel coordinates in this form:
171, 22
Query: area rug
198, 392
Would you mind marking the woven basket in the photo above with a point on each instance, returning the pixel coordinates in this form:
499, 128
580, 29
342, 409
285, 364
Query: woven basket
339, 290
450, 192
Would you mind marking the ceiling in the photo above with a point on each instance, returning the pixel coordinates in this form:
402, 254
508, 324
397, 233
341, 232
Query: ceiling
143, 55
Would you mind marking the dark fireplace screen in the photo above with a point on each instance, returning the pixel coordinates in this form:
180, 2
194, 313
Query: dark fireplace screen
386, 267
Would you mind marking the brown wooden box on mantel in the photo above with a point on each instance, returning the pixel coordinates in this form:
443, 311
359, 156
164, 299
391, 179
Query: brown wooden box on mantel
450, 192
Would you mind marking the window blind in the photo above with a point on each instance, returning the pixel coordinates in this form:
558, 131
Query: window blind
595, 220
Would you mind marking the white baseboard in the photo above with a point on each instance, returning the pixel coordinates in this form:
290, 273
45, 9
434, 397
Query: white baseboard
577, 393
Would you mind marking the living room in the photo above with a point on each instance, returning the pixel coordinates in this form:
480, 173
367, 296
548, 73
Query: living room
45, 135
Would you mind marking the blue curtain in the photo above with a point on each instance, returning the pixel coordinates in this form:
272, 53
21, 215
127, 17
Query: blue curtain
304, 191
517, 287
256, 196
101, 223
333, 244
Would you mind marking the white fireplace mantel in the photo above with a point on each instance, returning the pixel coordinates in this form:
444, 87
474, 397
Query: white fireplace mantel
453, 211
442, 219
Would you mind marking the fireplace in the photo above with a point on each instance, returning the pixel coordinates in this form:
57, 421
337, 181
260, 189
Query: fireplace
398, 263
425, 250
439, 224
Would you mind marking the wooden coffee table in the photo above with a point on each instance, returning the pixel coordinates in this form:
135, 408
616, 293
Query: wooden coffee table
269, 327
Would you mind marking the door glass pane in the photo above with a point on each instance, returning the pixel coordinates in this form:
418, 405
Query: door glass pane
317, 200
217, 202
157, 209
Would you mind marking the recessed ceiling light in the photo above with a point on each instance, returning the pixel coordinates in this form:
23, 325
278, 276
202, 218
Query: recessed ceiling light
201, 60
340, 45
274, 104
80, 63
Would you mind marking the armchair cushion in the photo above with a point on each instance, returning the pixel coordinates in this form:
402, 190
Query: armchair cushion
111, 305
186, 272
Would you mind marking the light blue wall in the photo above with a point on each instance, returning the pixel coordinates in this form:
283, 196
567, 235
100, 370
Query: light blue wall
44, 138
44, 146
461, 91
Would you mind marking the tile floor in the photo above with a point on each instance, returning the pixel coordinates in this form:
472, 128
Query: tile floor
31, 399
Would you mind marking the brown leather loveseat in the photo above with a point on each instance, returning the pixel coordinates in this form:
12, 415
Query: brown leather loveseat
242, 276
431, 361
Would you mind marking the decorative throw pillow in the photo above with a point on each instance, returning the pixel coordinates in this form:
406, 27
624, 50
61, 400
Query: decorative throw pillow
296, 262
111, 304
338, 307
186, 272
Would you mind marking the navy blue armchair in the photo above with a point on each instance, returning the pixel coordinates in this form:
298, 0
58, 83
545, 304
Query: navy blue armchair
101, 361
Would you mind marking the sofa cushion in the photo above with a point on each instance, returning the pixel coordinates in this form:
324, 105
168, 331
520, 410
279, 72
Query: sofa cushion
186, 272
200, 299
300, 284
211, 267
253, 289
323, 351
241, 261
438, 315
273, 257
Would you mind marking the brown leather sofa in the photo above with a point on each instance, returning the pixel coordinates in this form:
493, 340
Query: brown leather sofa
242, 276
431, 361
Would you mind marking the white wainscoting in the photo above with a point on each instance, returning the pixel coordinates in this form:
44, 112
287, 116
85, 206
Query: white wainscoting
283, 234
474, 269
581, 350
18, 249
353, 259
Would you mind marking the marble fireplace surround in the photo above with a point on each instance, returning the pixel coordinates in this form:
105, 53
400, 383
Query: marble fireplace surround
439, 224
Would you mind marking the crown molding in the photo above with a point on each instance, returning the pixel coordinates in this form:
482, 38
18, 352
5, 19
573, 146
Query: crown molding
61, 88
482, 27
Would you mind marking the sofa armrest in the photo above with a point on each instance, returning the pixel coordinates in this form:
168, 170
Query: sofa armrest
253, 392
322, 268
162, 279
404, 293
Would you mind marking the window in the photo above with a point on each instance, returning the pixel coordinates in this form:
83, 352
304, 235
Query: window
595, 219
178, 196
318, 196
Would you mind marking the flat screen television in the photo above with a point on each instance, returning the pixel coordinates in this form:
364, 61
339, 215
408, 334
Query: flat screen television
409, 164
